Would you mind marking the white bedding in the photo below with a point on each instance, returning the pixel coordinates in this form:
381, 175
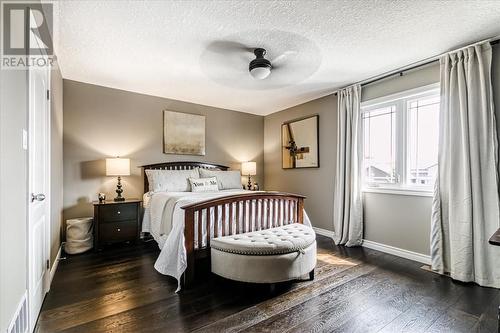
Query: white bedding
164, 220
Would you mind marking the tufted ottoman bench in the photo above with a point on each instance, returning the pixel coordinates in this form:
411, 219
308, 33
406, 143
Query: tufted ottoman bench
266, 256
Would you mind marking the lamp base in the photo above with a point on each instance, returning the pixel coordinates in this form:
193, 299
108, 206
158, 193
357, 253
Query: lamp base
119, 191
249, 185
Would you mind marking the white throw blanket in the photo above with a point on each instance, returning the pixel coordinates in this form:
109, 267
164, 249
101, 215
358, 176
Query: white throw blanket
164, 219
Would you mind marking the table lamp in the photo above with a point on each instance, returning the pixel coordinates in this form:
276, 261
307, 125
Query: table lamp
249, 169
118, 167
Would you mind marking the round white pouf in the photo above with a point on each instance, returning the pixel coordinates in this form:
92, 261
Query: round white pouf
79, 237
266, 256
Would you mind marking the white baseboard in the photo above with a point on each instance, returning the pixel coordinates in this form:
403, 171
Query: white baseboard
19, 322
53, 269
323, 232
425, 259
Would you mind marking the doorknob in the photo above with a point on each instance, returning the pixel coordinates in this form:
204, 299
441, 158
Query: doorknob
37, 197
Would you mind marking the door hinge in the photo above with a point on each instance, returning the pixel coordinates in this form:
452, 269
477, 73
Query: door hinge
48, 94
48, 264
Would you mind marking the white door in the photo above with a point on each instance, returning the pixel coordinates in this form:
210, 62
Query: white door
39, 186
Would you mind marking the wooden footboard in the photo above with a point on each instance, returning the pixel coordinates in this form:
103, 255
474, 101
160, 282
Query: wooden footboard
235, 214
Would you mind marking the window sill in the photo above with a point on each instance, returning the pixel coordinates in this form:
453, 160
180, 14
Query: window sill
399, 191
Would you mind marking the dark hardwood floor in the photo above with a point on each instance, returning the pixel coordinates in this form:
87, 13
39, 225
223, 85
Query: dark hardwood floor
355, 290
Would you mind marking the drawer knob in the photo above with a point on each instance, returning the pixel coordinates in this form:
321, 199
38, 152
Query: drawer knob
119, 212
118, 229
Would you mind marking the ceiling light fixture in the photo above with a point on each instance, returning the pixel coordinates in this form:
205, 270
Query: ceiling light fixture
260, 68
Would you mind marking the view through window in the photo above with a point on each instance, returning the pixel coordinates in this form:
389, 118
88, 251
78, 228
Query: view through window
400, 140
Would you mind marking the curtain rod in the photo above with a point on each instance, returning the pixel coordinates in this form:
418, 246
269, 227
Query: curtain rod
415, 65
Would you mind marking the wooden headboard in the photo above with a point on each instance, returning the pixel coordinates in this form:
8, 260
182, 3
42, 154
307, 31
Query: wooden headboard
179, 166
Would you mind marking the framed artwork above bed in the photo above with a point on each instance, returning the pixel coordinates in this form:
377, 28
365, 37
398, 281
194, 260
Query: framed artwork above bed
183, 133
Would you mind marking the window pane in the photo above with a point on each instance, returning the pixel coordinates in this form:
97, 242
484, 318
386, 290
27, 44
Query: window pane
423, 129
379, 134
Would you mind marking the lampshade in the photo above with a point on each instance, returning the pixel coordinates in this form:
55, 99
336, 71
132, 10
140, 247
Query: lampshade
117, 166
249, 168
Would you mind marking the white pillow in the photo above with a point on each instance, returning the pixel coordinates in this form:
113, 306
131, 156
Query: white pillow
204, 184
227, 180
171, 180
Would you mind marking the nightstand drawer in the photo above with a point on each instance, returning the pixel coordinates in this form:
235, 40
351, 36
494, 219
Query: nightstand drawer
116, 222
117, 213
118, 231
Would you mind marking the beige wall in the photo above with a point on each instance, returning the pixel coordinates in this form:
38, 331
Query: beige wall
102, 122
386, 216
400, 229
401, 221
411, 79
316, 184
56, 161
13, 192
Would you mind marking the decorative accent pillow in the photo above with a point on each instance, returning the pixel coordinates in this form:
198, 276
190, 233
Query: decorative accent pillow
171, 180
227, 180
204, 184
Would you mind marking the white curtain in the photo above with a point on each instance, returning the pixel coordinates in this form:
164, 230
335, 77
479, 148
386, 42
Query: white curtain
348, 206
465, 210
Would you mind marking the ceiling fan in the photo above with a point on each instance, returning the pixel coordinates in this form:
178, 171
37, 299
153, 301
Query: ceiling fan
260, 67
260, 59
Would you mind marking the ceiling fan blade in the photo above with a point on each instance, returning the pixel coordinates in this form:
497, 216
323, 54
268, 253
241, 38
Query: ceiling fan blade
226, 46
279, 68
282, 58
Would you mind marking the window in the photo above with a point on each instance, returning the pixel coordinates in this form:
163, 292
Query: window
379, 137
400, 140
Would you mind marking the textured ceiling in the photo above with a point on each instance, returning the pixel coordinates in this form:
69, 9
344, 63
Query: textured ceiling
195, 51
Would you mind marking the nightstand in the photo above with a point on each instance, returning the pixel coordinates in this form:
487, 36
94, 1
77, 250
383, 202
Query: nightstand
116, 221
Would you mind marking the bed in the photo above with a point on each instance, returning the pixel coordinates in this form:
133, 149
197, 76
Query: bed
183, 223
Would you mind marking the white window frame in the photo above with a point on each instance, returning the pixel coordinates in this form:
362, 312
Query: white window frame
402, 124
